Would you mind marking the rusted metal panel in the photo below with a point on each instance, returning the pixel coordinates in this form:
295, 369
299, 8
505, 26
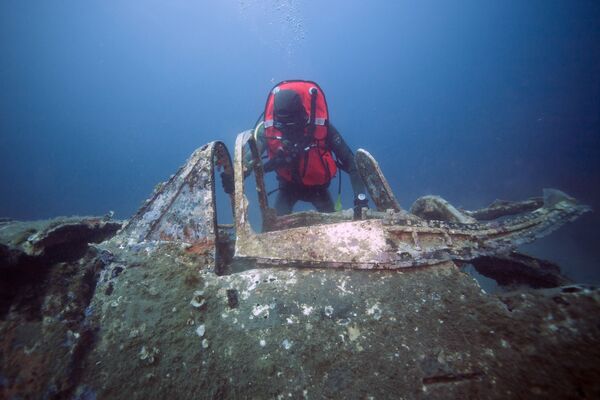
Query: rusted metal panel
356, 243
183, 209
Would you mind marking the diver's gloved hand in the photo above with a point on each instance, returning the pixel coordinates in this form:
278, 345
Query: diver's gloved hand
360, 202
279, 160
270, 165
227, 182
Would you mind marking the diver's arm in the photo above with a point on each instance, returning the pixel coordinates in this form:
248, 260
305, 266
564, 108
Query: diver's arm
247, 162
261, 140
346, 158
259, 137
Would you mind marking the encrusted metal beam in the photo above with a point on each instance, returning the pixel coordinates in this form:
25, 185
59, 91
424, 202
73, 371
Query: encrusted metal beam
500, 208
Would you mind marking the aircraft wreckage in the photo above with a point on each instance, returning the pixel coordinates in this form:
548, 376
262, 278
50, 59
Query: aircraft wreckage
137, 315
183, 209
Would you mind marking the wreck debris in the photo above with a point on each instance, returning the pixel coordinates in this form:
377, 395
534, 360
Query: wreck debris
435, 208
516, 269
392, 241
424, 331
58, 239
48, 277
500, 208
184, 208
375, 182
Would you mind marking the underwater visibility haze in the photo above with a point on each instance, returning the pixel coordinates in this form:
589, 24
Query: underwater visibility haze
469, 100
107, 104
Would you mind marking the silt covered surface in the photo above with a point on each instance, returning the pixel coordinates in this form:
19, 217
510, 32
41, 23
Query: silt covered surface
165, 310
166, 327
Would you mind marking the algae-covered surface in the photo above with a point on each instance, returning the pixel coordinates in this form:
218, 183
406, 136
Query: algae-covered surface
155, 321
169, 328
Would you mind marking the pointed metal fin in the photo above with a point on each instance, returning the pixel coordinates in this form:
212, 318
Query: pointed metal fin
183, 209
376, 184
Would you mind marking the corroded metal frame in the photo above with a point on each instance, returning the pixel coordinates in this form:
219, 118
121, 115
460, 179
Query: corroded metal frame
396, 240
183, 209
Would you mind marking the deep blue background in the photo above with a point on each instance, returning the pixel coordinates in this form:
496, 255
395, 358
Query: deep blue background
471, 100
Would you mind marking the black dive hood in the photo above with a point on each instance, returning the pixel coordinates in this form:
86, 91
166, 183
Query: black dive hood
288, 108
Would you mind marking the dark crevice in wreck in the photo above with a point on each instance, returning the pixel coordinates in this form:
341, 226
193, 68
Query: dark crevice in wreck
517, 269
25, 279
23, 288
225, 249
225, 262
51, 286
513, 271
452, 378
84, 346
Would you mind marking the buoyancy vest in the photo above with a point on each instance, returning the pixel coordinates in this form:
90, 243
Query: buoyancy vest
311, 164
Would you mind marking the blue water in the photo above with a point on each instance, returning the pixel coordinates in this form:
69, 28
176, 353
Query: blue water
470, 100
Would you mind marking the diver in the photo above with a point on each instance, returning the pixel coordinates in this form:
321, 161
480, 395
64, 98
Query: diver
301, 143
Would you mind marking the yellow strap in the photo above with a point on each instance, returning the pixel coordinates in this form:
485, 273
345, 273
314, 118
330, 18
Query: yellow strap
338, 203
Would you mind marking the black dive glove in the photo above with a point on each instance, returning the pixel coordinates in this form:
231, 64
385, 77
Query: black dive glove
227, 182
360, 202
281, 159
